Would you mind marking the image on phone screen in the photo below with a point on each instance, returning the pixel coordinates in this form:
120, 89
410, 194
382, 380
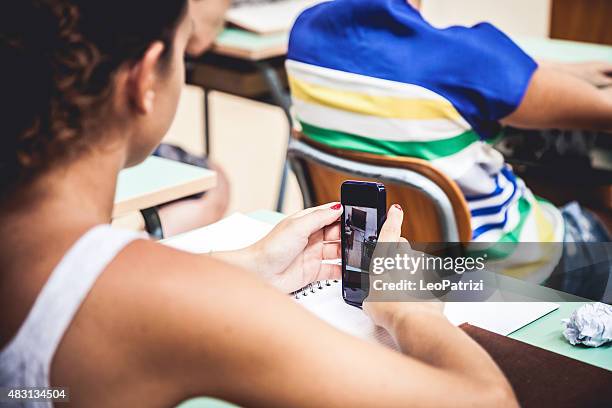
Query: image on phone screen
361, 234
364, 213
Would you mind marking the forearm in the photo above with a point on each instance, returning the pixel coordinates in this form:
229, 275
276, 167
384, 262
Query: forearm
242, 258
250, 259
558, 100
596, 73
431, 338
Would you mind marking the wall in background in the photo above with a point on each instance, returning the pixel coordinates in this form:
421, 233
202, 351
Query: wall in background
515, 17
248, 138
582, 20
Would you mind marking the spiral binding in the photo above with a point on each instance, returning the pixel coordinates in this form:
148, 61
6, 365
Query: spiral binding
310, 288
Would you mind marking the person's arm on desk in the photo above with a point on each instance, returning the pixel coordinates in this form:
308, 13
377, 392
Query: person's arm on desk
555, 99
596, 73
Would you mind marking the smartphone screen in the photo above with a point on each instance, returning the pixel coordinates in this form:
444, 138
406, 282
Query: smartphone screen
365, 206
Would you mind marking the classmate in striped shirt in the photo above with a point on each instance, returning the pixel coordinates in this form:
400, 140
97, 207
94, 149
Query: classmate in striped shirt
374, 76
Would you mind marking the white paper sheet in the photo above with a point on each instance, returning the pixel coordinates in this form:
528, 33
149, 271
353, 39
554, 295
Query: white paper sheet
234, 232
499, 317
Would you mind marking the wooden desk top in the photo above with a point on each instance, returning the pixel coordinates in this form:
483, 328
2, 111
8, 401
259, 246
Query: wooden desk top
157, 181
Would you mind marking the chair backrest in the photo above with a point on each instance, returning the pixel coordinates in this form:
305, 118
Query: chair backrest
435, 209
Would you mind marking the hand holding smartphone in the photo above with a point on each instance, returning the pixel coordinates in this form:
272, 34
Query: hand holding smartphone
365, 208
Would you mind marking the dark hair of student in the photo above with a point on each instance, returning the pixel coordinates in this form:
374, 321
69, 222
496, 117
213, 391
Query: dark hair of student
57, 61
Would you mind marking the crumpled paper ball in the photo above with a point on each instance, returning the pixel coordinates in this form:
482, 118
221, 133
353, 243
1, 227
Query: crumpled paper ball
590, 324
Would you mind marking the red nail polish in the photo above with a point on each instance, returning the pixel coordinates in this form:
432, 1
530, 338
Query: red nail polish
336, 206
398, 207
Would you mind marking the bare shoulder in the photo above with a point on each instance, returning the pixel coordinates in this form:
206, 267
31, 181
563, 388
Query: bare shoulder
148, 314
161, 325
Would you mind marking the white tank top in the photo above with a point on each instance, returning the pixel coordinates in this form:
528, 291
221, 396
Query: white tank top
26, 359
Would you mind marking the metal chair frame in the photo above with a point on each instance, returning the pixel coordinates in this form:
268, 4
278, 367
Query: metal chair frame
298, 151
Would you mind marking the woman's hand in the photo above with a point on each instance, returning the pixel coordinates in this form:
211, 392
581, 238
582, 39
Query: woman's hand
391, 314
292, 254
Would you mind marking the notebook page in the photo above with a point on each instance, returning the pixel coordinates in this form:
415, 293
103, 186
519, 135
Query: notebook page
497, 317
234, 232
328, 305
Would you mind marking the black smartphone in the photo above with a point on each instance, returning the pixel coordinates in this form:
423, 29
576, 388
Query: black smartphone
365, 211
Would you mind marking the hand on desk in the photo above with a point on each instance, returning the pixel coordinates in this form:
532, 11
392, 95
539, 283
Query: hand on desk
596, 73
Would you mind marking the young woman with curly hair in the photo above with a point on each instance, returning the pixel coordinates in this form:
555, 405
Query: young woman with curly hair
90, 87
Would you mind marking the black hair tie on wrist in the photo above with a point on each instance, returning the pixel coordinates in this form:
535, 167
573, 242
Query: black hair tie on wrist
153, 222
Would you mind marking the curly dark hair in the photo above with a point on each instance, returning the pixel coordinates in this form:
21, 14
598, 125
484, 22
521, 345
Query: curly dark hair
57, 61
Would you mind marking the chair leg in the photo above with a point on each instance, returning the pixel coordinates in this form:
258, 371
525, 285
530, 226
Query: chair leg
281, 97
206, 124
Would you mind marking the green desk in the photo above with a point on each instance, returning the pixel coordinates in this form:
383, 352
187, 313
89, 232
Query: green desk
564, 51
546, 333
239, 43
157, 181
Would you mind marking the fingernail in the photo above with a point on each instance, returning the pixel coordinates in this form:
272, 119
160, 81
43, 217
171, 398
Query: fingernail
336, 206
397, 206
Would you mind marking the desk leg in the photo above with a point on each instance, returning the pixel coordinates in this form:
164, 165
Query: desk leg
281, 98
206, 124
